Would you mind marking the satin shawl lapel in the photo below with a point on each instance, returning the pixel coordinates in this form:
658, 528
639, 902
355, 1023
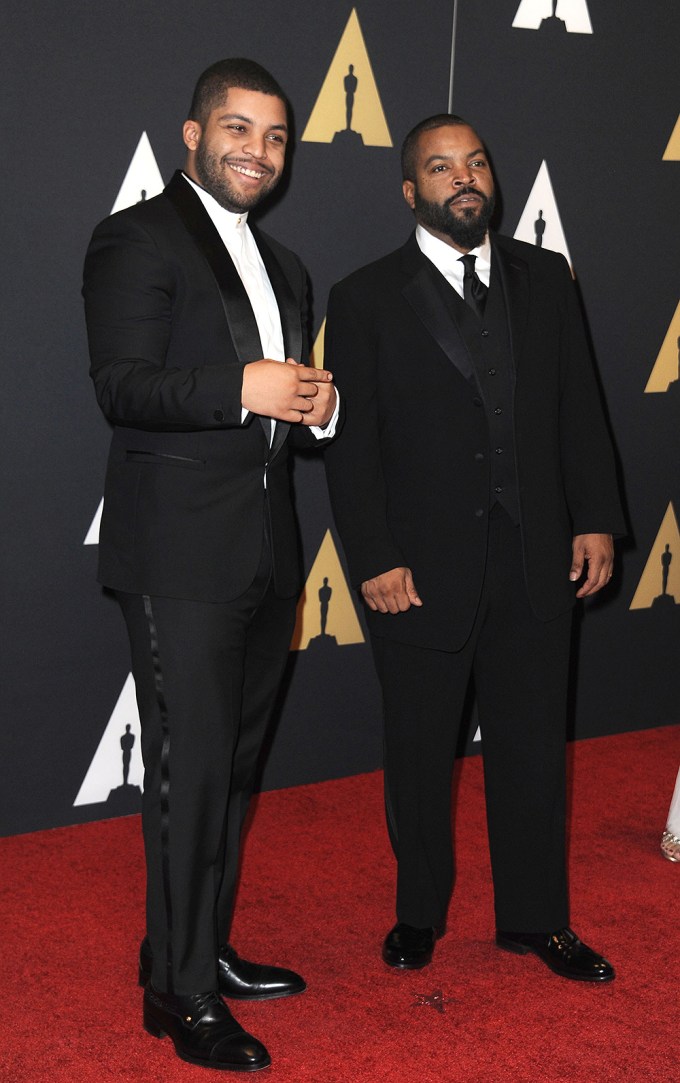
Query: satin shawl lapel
237, 308
423, 293
513, 273
289, 311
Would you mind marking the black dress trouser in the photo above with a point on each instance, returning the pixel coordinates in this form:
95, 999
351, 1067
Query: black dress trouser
207, 676
519, 666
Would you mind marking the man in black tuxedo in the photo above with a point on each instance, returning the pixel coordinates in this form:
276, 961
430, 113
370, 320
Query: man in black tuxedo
473, 486
191, 312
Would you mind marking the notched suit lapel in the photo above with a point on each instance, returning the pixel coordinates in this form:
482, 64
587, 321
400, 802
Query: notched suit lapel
513, 274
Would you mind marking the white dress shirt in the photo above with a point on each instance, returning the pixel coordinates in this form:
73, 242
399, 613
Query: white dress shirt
447, 259
240, 244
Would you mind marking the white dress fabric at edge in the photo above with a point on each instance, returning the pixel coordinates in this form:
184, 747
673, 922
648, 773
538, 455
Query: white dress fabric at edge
673, 823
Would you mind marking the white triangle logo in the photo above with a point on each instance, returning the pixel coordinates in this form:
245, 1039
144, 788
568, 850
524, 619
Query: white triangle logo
573, 13
143, 178
142, 181
92, 536
107, 772
540, 223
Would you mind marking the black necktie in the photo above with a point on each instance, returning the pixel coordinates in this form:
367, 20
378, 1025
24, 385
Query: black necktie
474, 290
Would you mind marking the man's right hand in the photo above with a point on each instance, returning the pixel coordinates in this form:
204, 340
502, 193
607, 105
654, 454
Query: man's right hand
391, 592
283, 391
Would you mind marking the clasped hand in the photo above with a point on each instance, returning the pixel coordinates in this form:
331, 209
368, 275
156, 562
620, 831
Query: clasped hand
288, 392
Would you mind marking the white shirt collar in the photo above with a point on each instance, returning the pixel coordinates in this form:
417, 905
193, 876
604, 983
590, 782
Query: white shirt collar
447, 259
221, 217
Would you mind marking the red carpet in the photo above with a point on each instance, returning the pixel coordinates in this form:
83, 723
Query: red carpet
72, 905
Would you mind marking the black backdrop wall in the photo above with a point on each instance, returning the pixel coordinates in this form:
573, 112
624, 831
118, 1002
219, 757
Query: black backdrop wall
579, 107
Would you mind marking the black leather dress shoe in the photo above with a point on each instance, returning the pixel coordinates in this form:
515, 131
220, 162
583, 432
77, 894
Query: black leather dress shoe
562, 951
203, 1030
409, 948
254, 981
238, 978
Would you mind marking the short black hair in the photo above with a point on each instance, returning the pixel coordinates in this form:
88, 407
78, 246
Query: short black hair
410, 144
214, 83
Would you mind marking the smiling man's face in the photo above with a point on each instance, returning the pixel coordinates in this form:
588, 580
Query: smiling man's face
453, 190
239, 153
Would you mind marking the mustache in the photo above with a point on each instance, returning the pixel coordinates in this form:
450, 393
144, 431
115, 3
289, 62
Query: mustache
248, 163
468, 191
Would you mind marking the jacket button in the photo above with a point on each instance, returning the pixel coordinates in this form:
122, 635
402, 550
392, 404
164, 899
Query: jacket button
498, 410
479, 457
485, 333
479, 512
218, 415
492, 372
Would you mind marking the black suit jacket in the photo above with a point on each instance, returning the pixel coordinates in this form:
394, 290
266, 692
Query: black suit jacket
409, 478
170, 328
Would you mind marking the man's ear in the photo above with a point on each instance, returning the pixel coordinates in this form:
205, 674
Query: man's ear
191, 133
408, 188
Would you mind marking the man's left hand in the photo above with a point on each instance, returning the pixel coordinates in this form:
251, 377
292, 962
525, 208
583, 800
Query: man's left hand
320, 402
597, 551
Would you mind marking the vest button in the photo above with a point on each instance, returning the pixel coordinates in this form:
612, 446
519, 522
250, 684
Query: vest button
479, 457
485, 333
498, 410
499, 450
492, 372
479, 512
499, 489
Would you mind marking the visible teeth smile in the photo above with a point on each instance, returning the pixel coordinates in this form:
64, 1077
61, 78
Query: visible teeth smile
246, 172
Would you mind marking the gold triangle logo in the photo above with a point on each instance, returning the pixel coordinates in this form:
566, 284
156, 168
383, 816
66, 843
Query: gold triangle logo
316, 356
667, 365
672, 151
659, 586
325, 613
348, 108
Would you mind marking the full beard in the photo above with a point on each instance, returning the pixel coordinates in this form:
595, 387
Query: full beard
210, 171
467, 227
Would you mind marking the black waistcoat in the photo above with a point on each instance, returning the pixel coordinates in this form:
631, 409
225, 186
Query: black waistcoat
489, 347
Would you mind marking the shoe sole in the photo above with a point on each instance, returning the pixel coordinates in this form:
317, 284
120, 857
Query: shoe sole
262, 996
406, 966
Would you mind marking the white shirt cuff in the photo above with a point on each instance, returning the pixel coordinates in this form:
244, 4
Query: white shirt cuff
328, 430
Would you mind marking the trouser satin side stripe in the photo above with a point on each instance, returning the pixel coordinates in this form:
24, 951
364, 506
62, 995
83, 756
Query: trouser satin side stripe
165, 782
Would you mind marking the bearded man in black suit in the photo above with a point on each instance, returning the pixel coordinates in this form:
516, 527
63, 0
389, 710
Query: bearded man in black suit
191, 314
475, 494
